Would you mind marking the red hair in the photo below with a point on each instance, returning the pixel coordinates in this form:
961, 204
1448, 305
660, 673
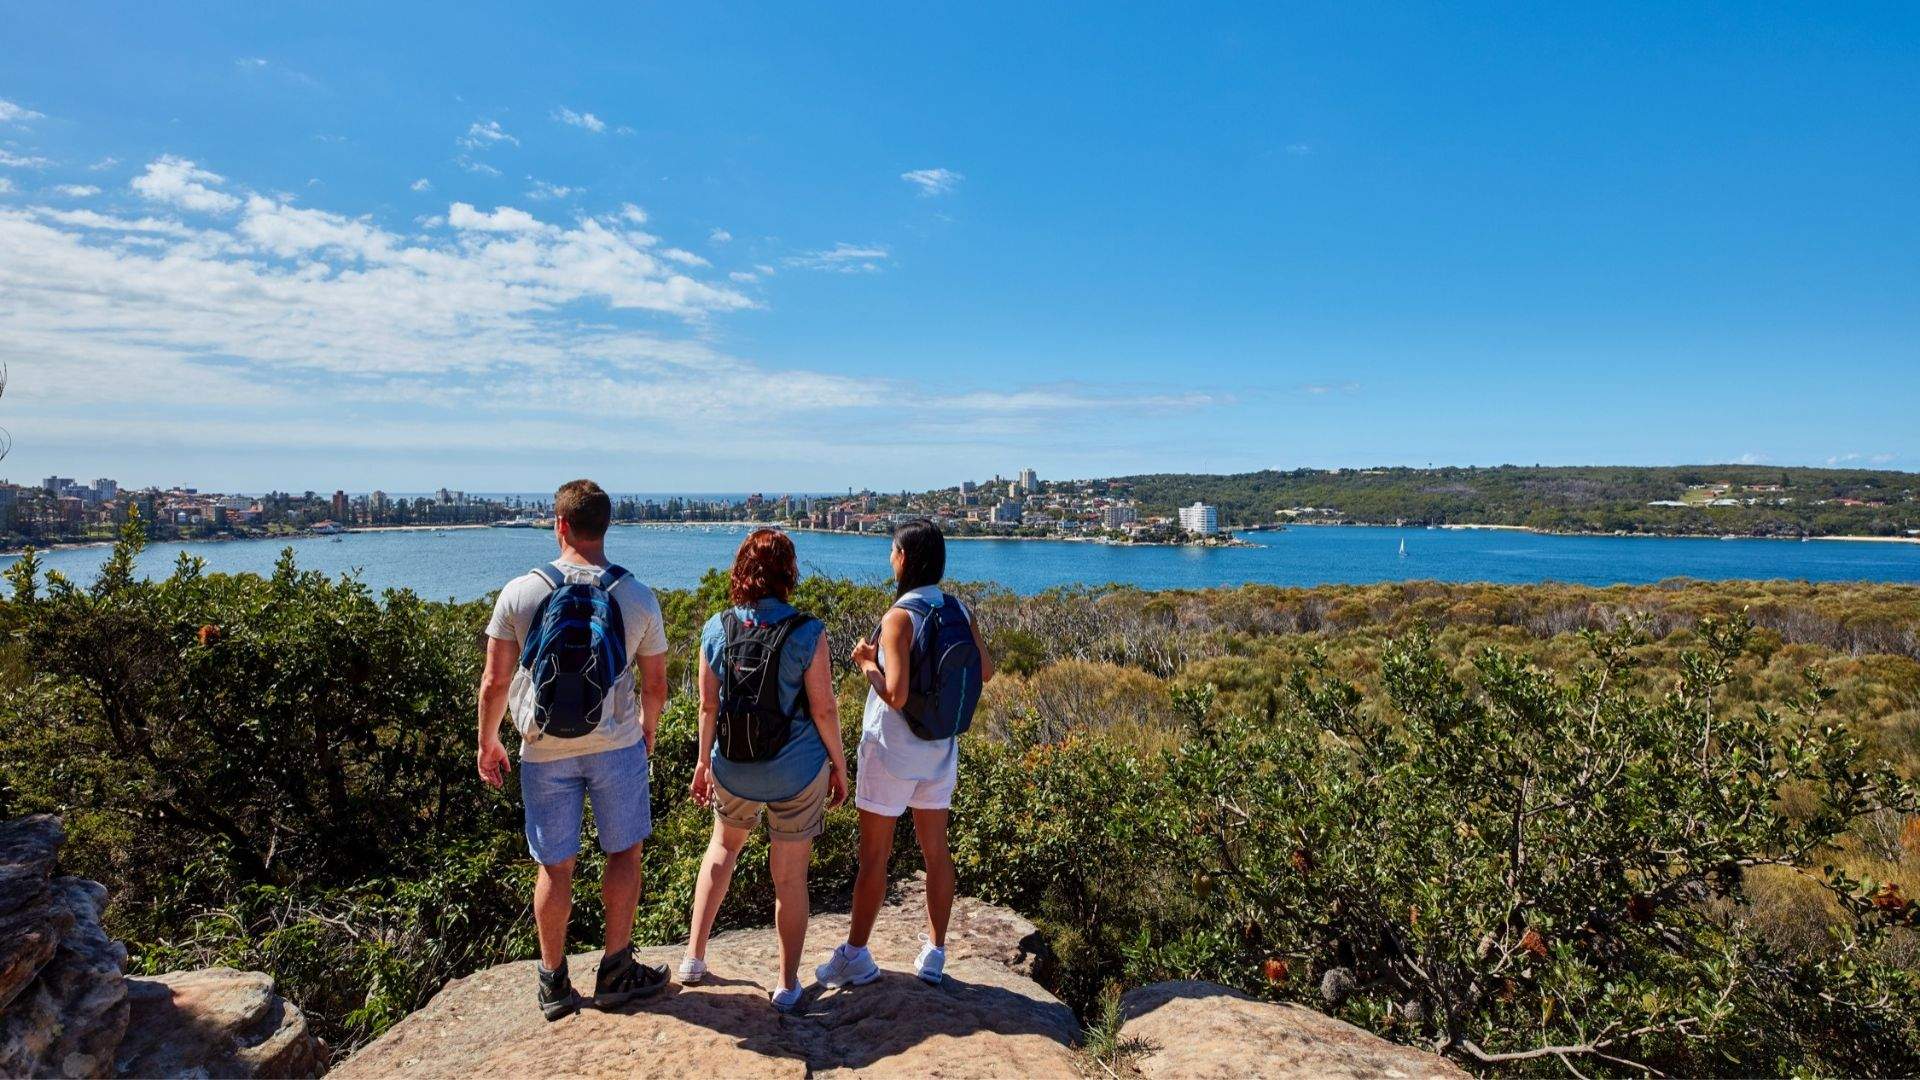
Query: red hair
764, 566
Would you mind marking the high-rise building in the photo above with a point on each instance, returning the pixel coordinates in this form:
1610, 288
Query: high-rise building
1005, 513
340, 506
1029, 480
966, 487
1114, 517
1200, 518
104, 489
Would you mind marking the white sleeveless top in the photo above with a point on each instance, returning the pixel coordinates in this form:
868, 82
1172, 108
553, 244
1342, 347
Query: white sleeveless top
901, 752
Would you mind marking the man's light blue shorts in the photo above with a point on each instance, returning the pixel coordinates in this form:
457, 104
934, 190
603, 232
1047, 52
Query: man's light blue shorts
556, 793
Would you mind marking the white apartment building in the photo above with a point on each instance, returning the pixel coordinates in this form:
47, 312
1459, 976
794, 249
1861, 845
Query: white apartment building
1115, 517
1200, 518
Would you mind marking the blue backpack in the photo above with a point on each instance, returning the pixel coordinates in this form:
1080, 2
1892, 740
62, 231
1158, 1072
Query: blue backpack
943, 680
574, 658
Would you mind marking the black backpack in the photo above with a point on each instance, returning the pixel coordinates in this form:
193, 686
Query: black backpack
752, 726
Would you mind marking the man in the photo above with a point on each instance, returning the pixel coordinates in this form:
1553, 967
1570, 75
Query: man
583, 734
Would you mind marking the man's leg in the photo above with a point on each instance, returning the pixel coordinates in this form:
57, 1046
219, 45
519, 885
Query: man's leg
787, 859
552, 907
931, 827
620, 893
870, 886
710, 888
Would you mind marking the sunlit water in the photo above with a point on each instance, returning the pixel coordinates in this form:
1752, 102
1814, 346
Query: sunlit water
467, 563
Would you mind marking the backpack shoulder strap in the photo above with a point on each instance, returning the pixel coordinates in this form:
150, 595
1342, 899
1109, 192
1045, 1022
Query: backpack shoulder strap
916, 604
612, 575
551, 575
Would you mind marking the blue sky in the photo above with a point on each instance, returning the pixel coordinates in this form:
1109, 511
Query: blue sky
731, 247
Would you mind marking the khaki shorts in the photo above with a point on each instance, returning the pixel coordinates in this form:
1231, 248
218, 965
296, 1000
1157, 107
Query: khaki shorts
802, 817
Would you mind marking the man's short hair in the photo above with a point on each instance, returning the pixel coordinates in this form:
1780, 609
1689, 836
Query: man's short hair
584, 507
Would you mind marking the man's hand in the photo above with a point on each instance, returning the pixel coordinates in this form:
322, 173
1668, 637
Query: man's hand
493, 762
837, 784
701, 789
864, 653
646, 735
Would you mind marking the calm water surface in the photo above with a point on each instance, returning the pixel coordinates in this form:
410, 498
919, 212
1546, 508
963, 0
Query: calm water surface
467, 563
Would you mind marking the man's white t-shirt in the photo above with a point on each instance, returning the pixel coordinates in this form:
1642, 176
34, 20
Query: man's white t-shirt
512, 621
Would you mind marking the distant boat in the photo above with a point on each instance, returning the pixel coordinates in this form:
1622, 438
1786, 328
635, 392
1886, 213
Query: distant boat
1403, 547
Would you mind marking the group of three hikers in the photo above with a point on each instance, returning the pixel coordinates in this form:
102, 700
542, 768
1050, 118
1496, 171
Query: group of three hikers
563, 647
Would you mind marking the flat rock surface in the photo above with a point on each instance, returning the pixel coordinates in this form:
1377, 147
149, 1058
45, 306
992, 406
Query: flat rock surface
1201, 1031
214, 1022
985, 1019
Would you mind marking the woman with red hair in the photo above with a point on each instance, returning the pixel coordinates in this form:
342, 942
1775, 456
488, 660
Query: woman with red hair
769, 740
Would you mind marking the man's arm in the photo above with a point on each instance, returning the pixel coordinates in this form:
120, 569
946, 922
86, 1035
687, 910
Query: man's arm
653, 694
491, 757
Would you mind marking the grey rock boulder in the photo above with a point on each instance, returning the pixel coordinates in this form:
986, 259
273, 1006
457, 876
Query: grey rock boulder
215, 1022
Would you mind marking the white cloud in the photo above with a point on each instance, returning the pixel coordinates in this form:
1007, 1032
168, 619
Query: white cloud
744, 277
11, 113
841, 258
579, 119
16, 161
104, 163
503, 219
250, 63
633, 213
422, 184
1299, 149
174, 180
481, 135
77, 191
543, 190
683, 257
6, 186
92, 219
933, 181
1752, 457
480, 168
719, 236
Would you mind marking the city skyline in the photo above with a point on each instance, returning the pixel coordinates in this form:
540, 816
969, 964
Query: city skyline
767, 250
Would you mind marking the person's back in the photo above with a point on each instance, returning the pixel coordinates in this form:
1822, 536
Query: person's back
561, 645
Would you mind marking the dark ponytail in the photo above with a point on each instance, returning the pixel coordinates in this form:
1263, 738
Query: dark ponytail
925, 552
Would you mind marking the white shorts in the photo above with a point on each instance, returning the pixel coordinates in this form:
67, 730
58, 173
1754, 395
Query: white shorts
878, 791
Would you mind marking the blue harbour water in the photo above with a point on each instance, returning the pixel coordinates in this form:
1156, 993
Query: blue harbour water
467, 563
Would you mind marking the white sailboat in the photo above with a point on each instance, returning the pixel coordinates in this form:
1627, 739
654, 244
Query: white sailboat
1403, 547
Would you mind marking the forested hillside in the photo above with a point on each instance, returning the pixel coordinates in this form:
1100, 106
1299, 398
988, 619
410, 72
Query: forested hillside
1663, 826
1759, 500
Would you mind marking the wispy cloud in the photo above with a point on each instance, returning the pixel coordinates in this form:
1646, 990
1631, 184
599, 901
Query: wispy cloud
422, 184
482, 134
479, 168
104, 163
842, 258
17, 161
543, 190
1318, 389
77, 191
584, 120
719, 236
250, 63
933, 181
6, 186
1299, 149
1855, 457
683, 257
11, 113
182, 183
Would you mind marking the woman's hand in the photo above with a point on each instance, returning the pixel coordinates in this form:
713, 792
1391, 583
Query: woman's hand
837, 783
701, 789
864, 653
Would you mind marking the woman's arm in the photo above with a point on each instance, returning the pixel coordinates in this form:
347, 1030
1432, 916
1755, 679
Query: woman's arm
896, 640
702, 787
826, 718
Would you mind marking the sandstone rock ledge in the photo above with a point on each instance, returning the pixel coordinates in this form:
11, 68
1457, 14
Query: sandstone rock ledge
67, 1009
988, 1019
1202, 1031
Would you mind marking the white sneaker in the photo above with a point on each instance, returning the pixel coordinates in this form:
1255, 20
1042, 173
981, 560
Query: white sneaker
693, 971
848, 966
785, 998
932, 960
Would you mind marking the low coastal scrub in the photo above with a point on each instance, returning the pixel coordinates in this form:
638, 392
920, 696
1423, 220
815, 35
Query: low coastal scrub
1541, 828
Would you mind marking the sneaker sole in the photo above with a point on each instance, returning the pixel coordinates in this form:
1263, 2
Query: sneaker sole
860, 981
692, 979
931, 979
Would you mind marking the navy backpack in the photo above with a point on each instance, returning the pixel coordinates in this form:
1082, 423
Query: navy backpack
574, 659
943, 680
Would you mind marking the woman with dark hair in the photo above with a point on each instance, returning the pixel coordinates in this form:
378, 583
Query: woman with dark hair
769, 739
899, 769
